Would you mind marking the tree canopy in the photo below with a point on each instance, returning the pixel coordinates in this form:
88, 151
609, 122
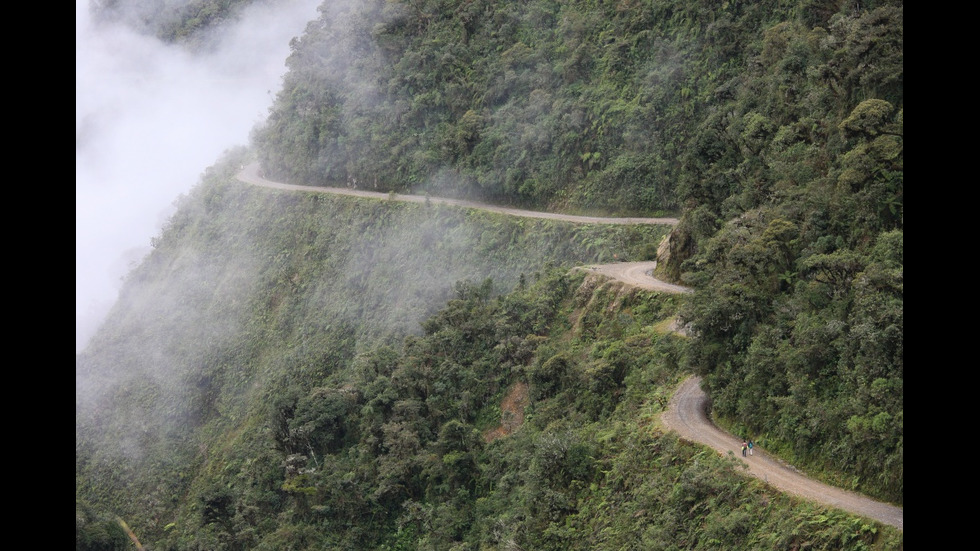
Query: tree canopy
291, 371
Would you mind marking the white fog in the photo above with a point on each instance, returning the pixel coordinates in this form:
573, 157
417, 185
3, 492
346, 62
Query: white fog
149, 119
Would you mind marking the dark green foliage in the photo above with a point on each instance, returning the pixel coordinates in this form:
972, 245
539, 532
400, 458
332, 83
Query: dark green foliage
386, 447
259, 328
579, 106
299, 371
96, 531
189, 22
800, 187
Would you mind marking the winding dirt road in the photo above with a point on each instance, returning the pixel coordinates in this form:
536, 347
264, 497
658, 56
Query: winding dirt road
687, 415
687, 412
250, 174
637, 274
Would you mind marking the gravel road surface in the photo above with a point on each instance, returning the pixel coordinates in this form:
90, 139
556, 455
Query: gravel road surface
687, 415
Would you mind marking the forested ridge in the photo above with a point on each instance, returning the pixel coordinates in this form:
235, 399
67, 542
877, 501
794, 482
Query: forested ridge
291, 371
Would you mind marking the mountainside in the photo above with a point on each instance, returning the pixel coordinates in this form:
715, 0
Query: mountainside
228, 406
289, 370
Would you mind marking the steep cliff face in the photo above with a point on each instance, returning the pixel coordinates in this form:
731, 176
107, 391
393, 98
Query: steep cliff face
676, 247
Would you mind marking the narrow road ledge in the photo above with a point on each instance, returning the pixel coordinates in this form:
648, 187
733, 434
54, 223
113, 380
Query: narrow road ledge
687, 415
250, 175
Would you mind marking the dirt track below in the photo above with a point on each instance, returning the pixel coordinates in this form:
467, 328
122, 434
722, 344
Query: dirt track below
687, 415
637, 274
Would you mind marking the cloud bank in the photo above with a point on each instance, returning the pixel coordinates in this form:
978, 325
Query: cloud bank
149, 118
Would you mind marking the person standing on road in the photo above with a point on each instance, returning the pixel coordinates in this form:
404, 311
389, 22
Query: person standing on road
750, 447
745, 446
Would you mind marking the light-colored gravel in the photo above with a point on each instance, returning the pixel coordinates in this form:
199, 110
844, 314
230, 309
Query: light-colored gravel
251, 174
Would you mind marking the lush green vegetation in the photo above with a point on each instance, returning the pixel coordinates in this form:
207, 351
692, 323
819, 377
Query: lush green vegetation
800, 265
566, 105
248, 415
296, 371
777, 126
189, 22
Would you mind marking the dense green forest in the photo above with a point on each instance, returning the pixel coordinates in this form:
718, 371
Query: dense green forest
297, 371
188, 22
